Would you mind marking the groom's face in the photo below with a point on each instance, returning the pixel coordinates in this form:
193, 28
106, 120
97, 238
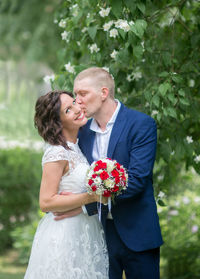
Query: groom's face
88, 96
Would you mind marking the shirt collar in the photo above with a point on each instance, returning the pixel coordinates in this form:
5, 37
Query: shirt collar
95, 127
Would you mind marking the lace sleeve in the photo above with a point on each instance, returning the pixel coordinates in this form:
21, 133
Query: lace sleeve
54, 153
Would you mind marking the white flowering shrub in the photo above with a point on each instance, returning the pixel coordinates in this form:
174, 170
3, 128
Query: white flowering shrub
150, 48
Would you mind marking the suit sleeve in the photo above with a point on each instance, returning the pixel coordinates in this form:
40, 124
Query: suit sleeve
142, 157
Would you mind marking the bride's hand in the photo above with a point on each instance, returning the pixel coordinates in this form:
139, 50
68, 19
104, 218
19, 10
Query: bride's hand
104, 200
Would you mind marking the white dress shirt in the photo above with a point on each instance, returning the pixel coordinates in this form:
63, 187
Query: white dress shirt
102, 138
101, 141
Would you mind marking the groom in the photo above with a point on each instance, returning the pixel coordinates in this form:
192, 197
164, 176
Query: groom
132, 228
128, 136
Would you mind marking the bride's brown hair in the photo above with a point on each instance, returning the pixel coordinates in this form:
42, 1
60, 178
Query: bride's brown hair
47, 117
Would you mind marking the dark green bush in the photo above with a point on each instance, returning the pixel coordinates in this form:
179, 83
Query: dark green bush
20, 174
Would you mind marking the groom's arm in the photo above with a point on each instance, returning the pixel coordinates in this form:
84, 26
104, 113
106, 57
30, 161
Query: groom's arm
142, 157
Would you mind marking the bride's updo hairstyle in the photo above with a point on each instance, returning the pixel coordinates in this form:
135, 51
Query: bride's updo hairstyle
47, 117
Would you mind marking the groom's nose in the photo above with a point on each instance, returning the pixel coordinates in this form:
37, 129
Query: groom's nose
78, 99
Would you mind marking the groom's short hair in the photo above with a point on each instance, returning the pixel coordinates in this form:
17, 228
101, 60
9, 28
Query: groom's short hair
100, 77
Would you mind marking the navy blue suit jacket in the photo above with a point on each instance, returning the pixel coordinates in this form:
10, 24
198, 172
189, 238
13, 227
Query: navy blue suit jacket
133, 144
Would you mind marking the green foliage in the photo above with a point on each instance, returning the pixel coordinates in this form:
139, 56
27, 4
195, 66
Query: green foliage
151, 48
180, 225
20, 176
23, 238
27, 30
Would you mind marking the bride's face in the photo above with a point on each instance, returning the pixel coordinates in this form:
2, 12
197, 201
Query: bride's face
71, 115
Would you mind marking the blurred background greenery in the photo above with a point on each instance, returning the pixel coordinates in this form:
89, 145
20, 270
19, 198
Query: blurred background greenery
152, 50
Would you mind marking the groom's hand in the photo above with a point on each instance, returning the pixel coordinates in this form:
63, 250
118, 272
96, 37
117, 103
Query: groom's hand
71, 213
67, 214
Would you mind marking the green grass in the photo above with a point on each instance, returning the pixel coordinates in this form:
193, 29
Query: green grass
9, 269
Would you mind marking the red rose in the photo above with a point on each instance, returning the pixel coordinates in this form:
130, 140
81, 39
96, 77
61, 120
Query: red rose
117, 179
106, 193
94, 188
97, 168
115, 189
103, 166
123, 177
118, 166
94, 175
115, 173
90, 182
104, 175
122, 170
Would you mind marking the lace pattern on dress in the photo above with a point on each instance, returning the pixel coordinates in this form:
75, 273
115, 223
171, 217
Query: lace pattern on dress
55, 153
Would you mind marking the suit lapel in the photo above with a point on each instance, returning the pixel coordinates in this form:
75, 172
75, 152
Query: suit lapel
89, 146
117, 130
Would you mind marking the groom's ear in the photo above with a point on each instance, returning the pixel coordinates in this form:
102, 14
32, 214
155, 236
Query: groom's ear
104, 93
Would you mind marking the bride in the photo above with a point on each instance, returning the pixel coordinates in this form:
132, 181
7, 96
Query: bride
72, 248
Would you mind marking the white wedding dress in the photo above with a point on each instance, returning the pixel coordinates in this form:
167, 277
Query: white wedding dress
72, 248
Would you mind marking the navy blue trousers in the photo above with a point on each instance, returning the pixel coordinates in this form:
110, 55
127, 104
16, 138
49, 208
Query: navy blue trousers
137, 265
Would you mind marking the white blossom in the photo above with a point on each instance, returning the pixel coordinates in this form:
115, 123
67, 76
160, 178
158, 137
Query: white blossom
173, 212
122, 24
194, 228
64, 36
62, 23
55, 21
161, 195
189, 139
84, 29
129, 77
154, 112
147, 104
88, 15
191, 83
160, 209
75, 13
118, 90
104, 12
137, 75
73, 6
107, 25
12, 219
197, 199
113, 33
160, 177
114, 54
1, 227
172, 153
108, 70
78, 43
94, 48
131, 23
21, 218
177, 203
2, 106
6, 144
69, 68
48, 79
186, 200
142, 44
197, 159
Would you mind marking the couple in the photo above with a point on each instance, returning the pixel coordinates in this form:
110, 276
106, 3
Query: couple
74, 246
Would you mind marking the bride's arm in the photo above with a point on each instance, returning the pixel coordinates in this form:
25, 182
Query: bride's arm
50, 200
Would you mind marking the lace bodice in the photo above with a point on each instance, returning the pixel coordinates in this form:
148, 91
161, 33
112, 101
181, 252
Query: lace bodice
74, 179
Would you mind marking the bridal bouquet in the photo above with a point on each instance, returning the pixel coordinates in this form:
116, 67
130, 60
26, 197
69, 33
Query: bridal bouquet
106, 178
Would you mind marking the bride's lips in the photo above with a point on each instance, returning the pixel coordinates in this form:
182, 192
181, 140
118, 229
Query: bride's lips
81, 116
